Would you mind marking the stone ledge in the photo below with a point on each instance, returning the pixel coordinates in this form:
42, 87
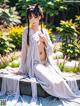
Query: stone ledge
25, 86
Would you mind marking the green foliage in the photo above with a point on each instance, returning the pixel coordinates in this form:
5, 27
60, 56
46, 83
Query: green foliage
14, 63
72, 9
51, 8
1, 2
8, 15
5, 45
53, 38
15, 33
74, 70
9, 59
68, 34
77, 20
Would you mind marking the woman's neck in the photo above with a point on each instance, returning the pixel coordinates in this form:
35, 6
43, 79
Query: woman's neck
36, 28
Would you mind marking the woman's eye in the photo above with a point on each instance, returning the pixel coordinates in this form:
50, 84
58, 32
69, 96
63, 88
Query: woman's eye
32, 17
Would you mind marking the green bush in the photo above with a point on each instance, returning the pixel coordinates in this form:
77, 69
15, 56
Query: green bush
8, 14
77, 21
68, 35
8, 59
15, 33
51, 9
5, 45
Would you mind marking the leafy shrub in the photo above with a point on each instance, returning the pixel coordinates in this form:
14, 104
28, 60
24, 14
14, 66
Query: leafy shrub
5, 45
51, 8
68, 35
15, 33
77, 21
8, 59
8, 15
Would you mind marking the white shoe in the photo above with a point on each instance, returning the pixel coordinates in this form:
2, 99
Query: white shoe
33, 102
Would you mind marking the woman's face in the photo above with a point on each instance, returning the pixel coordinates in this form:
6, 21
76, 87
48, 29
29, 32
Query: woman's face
34, 21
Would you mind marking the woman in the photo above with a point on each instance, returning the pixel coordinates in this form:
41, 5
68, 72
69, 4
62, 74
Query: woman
36, 58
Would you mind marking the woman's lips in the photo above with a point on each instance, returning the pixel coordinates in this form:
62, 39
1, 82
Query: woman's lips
34, 23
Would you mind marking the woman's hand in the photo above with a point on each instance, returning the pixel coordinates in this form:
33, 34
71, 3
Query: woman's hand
17, 72
40, 37
43, 39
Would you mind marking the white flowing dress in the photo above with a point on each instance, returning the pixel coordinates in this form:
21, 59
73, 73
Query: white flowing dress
49, 75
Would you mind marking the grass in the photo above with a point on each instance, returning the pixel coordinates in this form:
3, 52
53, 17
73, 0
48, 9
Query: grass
73, 70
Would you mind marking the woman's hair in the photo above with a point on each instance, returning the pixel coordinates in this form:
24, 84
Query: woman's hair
37, 11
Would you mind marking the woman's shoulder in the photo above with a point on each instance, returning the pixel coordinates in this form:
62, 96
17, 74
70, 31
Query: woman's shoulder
25, 30
24, 35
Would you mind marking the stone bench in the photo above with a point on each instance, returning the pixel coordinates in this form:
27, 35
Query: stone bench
25, 86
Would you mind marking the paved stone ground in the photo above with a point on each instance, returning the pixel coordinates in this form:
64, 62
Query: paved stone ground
25, 85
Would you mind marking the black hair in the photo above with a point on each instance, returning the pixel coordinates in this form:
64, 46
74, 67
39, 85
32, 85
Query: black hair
37, 11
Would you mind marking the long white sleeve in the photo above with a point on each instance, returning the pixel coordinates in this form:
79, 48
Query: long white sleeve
22, 67
49, 45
